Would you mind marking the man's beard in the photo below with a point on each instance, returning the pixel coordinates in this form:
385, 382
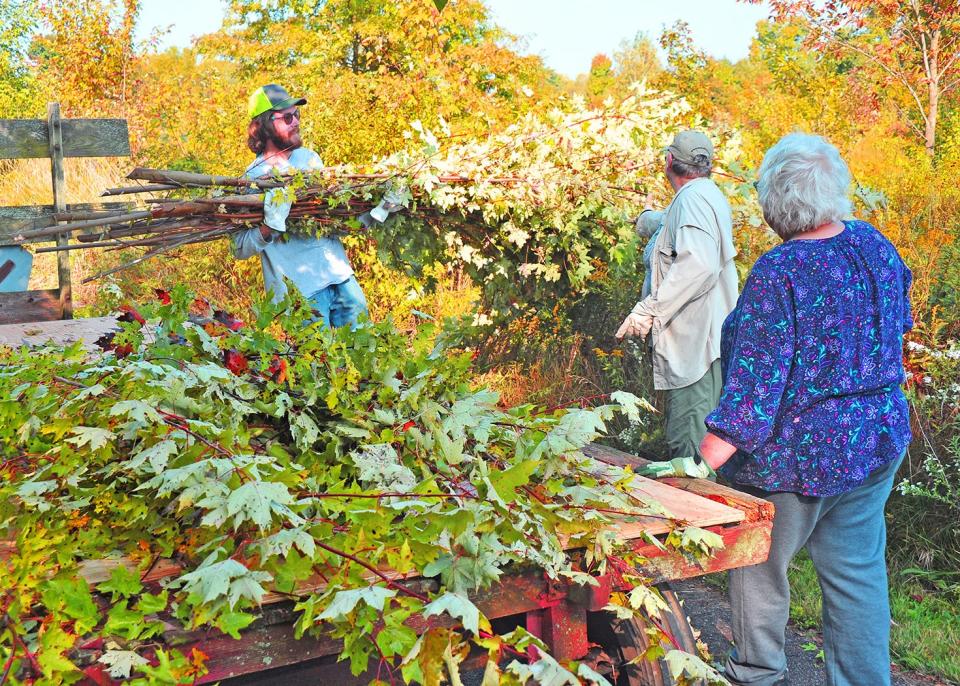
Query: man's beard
286, 142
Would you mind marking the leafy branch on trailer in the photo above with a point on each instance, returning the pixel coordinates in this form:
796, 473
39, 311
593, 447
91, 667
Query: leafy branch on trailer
332, 467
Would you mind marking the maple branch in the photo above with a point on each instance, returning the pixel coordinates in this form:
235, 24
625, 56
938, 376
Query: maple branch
8, 665
877, 61
369, 567
19, 642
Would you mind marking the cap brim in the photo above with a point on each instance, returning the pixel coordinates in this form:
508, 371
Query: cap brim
289, 102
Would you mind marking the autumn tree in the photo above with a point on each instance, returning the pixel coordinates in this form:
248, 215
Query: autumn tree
370, 68
85, 53
636, 59
17, 23
913, 44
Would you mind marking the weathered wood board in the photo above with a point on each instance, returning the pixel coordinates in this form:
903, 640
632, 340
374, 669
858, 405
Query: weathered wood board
63, 331
30, 138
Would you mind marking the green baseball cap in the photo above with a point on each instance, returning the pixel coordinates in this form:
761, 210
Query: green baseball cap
688, 144
271, 97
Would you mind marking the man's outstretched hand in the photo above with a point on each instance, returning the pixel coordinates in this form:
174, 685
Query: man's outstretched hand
689, 467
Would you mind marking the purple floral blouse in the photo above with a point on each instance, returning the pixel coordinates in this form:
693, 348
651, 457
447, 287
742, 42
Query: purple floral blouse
812, 360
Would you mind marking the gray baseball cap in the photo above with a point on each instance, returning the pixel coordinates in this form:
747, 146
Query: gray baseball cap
687, 145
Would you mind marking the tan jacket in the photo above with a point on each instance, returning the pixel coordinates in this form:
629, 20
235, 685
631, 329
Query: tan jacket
693, 282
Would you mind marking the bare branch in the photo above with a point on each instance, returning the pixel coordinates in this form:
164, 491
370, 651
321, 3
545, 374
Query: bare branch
897, 75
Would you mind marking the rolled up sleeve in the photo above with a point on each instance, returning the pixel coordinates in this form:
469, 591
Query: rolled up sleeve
758, 364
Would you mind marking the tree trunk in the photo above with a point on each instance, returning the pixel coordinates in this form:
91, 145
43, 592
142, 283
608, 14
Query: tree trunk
933, 94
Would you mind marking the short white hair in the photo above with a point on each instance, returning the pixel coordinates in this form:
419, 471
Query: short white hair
803, 184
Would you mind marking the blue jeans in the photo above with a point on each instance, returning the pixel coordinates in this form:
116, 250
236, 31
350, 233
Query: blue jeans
846, 538
339, 304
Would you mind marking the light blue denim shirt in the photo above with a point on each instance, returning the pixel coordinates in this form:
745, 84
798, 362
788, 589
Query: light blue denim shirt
310, 263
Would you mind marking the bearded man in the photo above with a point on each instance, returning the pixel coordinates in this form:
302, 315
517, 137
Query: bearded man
318, 267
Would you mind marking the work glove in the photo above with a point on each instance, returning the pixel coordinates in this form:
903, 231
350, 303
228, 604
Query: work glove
691, 467
636, 325
391, 203
276, 208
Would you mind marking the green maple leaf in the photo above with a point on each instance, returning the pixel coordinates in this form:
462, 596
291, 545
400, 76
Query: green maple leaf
122, 621
255, 501
232, 622
157, 455
344, 601
55, 666
459, 606
305, 431
72, 597
213, 580
295, 568
281, 544
507, 481
122, 583
396, 639
121, 662
93, 436
151, 604
138, 411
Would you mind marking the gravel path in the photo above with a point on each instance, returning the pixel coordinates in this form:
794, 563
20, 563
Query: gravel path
709, 612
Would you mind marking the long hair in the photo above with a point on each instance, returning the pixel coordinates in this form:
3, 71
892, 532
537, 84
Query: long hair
260, 131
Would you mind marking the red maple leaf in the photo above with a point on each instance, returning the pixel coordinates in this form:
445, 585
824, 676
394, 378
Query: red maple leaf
228, 320
235, 362
278, 369
96, 674
407, 425
163, 296
130, 314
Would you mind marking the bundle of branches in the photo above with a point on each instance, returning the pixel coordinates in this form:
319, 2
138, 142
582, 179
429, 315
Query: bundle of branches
323, 201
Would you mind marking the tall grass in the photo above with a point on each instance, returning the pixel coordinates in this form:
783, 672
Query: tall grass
28, 182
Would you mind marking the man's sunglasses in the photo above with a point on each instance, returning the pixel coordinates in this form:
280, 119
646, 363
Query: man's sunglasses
287, 117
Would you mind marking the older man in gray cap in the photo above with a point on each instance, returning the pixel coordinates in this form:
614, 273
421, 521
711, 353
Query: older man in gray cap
690, 288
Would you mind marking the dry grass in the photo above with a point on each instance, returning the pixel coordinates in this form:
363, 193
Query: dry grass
553, 380
27, 182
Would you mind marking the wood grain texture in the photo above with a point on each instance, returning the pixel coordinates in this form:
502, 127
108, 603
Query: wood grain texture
30, 138
55, 147
64, 331
30, 306
754, 508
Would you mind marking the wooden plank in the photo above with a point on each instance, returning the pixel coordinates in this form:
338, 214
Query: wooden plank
14, 220
55, 140
62, 331
29, 138
29, 306
754, 508
684, 507
745, 544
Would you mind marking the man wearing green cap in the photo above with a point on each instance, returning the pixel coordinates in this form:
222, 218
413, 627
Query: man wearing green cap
317, 266
692, 288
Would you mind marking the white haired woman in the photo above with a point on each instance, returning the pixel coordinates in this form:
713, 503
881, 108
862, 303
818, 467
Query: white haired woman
812, 416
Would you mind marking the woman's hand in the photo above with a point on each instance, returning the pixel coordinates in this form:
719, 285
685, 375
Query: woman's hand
715, 451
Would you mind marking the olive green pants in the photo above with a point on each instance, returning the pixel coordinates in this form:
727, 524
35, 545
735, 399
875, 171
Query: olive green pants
687, 407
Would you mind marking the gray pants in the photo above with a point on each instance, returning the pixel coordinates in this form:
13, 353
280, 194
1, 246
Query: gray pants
846, 538
686, 409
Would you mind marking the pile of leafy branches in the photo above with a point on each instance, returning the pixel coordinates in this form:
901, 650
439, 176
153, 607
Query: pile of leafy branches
327, 465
